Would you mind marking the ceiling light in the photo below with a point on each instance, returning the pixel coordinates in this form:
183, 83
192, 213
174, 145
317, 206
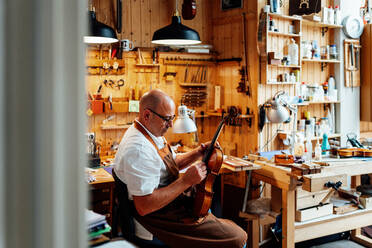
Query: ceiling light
176, 33
98, 33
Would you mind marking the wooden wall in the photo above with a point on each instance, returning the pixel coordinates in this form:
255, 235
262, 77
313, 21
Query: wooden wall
140, 20
224, 30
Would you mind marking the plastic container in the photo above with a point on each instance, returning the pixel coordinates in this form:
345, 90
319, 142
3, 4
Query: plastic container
318, 151
331, 15
338, 18
325, 145
333, 52
309, 150
293, 52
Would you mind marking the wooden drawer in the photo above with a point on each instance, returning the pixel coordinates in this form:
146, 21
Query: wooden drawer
315, 182
314, 212
98, 195
305, 199
102, 207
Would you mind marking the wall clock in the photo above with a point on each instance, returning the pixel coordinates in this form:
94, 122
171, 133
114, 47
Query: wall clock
353, 26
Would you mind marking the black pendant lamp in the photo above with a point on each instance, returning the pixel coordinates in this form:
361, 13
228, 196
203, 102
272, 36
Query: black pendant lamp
99, 33
176, 33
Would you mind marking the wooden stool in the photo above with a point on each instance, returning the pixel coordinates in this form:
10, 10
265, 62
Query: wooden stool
254, 222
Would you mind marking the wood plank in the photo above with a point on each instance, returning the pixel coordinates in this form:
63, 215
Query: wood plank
331, 224
288, 218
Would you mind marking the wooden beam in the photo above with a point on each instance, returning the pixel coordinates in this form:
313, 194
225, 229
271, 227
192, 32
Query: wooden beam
332, 224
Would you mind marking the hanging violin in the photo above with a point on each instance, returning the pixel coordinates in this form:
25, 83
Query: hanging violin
213, 159
188, 9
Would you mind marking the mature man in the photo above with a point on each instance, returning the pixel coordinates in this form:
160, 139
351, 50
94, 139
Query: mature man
149, 168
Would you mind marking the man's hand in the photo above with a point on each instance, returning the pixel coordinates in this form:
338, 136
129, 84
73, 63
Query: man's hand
203, 146
195, 173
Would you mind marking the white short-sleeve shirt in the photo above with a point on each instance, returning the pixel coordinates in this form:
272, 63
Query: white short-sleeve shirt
138, 164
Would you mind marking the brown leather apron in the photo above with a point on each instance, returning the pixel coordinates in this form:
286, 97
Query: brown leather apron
175, 225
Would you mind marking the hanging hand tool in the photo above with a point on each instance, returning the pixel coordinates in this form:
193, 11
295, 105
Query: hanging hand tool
186, 73
247, 83
120, 83
118, 15
351, 52
202, 121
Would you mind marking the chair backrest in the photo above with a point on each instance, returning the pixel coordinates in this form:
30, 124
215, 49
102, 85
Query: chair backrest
125, 209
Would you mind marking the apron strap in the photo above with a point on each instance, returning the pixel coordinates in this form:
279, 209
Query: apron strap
164, 153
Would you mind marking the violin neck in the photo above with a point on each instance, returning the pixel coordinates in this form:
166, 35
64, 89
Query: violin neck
210, 148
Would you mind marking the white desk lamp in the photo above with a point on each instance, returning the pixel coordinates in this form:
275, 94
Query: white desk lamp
277, 112
183, 123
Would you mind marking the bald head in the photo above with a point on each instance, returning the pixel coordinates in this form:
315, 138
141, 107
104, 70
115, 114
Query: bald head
153, 99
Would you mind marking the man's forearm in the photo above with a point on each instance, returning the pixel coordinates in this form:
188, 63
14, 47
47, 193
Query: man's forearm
160, 197
185, 159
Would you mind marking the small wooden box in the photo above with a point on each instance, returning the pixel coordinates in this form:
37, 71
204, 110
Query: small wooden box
117, 107
314, 212
284, 159
366, 201
97, 106
120, 107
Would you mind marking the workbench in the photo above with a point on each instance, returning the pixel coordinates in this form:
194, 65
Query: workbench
283, 196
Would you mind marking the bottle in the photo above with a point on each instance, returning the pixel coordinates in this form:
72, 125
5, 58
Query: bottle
309, 150
299, 148
325, 145
291, 28
293, 52
318, 151
331, 15
331, 88
338, 19
303, 90
271, 24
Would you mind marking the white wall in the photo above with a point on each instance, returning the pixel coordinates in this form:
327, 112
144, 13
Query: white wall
348, 111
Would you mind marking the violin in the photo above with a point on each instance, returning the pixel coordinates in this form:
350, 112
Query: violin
354, 152
213, 158
188, 9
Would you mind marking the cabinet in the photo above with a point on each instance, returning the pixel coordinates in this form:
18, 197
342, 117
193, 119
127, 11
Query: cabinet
314, 68
101, 194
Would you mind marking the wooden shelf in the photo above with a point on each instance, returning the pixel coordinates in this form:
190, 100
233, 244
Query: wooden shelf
193, 84
284, 34
283, 135
114, 127
286, 66
282, 83
322, 60
320, 24
292, 18
220, 115
306, 103
148, 65
92, 62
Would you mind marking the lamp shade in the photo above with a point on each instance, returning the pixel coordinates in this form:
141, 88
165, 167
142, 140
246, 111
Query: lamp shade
183, 123
99, 33
176, 34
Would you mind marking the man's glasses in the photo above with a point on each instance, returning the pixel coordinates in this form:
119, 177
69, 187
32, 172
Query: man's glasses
165, 118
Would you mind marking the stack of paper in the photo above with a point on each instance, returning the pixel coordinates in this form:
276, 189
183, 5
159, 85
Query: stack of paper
96, 224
